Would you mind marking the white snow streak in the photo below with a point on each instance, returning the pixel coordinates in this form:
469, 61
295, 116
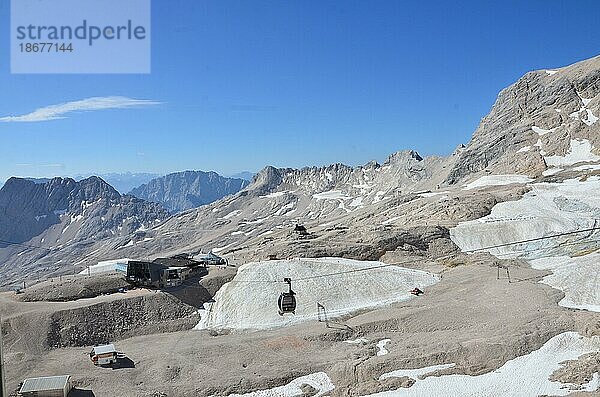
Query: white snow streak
331, 195
541, 131
416, 373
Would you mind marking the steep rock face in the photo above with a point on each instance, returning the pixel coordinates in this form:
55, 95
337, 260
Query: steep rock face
534, 118
189, 189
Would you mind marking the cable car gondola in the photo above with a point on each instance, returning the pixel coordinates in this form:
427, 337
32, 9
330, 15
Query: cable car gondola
287, 300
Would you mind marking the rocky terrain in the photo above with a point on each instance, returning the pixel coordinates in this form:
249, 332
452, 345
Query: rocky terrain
61, 216
501, 236
182, 191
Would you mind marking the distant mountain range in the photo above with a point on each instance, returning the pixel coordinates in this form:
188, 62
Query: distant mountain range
247, 175
123, 182
181, 191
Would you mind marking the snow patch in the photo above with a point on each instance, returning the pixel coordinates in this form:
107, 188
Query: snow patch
539, 145
357, 202
580, 151
391, 220
105, 266
416, 373
359, 341
433, 194
319, 381
497, 180
381, 350
379, 196
232, 214
589, 118
551, 72
219, 249
548, 209
541, 131
586, 167
551, 171
576, 277
276, 194
259, 284
526, 375
331, 195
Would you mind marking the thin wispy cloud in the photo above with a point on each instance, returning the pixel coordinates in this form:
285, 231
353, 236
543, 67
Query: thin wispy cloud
51, 165
56, 112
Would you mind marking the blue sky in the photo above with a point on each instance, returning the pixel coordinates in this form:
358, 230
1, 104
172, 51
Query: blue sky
244, 84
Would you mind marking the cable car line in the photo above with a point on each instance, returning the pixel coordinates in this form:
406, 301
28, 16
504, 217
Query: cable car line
321, 275
24, 245
534, 239
345, 272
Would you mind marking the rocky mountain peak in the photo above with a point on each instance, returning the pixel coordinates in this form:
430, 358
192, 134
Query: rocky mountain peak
184, 190
267, 179
94, 188
76, 210
403, 157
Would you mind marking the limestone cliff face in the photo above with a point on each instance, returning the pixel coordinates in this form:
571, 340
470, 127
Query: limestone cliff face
536, 117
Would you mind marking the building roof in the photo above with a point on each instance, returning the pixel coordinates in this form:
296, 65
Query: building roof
44, 383
210, 255
104, 349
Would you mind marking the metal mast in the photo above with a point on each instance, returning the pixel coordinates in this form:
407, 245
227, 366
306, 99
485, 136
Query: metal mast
2, 386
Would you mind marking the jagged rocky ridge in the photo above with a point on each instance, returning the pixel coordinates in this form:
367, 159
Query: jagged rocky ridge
64, 213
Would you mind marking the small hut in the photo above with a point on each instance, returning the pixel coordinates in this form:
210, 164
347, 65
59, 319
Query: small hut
47, 386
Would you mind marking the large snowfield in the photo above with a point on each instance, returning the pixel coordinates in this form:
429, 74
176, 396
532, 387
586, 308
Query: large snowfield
249, 301
548, 209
